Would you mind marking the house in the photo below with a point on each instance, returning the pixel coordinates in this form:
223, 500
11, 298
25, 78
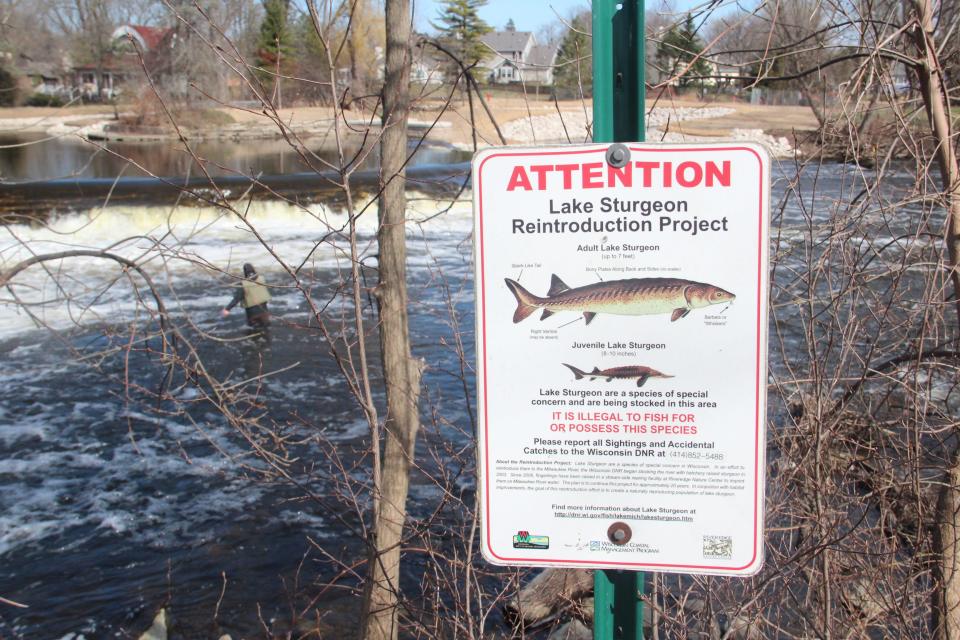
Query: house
675, 72
41, 77
428, 65
101, 80
122, 64
725, 75
515, 56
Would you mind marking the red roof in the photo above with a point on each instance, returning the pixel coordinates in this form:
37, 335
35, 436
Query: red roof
152, 36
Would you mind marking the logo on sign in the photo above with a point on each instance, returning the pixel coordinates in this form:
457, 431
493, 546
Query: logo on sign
720, 547
523, 540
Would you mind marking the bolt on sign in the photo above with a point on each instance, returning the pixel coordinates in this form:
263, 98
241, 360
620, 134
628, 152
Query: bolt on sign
622, 355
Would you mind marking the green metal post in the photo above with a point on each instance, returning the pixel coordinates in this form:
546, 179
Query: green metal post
603, 11
618, 71
618, 116
617, 607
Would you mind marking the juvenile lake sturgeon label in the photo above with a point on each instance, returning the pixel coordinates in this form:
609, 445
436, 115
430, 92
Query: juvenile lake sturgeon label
622, 356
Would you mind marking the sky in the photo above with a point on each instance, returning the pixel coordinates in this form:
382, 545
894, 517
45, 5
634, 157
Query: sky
528, 15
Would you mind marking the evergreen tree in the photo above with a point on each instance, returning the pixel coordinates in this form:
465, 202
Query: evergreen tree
574, 57
311, 56
510, 25
275, 43
461, 28
678, 48
8, 88
275, 47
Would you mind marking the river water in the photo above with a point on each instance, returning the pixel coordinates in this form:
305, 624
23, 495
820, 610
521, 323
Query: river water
113, 505
34, 157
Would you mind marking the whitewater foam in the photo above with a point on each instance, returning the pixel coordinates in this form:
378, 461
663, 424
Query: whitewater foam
186, 245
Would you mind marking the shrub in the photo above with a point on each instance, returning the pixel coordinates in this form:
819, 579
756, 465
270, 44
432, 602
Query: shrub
44, 100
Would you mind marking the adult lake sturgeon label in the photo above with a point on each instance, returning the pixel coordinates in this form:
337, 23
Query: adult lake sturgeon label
622, 356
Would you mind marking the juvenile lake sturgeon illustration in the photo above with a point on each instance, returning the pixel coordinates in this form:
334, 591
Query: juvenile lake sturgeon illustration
641, 374
632, 297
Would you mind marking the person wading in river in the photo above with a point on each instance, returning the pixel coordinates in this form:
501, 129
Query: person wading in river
255, 296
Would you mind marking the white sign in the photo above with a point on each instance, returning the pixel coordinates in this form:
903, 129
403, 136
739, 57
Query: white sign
622, 356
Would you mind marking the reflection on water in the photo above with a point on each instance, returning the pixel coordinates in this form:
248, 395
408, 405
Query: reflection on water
70, 157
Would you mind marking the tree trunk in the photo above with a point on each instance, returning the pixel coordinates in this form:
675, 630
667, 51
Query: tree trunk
946, 606
946, 615
934, 99
99, 79
400, 371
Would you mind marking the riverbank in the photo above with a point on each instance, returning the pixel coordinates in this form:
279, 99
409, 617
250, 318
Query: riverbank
15, 120
520, 120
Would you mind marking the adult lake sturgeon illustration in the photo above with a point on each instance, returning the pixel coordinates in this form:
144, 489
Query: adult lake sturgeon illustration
631, 297
641, 374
